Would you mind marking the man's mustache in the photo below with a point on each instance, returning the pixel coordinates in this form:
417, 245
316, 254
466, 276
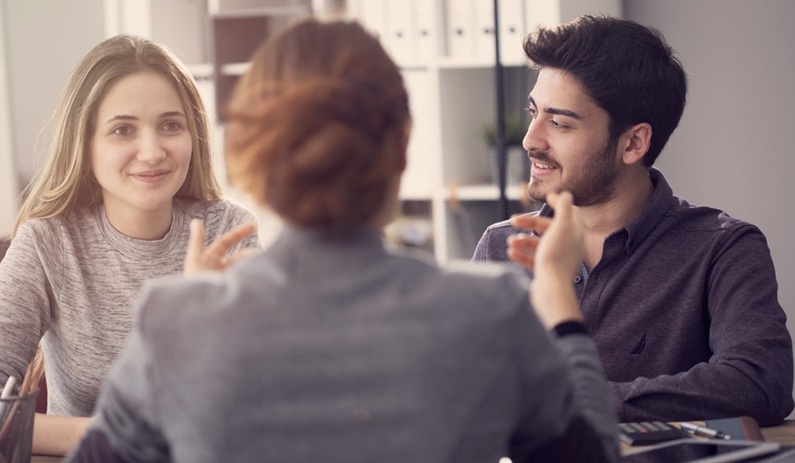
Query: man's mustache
542, 157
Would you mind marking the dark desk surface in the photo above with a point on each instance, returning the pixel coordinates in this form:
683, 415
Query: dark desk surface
783, 434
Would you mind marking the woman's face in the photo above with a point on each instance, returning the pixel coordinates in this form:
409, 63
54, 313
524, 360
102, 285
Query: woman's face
141, 146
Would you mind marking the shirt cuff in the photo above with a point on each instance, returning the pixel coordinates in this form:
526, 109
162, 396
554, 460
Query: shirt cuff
570, 327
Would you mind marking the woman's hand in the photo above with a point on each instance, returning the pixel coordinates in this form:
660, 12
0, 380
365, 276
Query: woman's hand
555, 258
199, 258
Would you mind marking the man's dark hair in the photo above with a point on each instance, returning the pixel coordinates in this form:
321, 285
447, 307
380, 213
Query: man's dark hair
626, 68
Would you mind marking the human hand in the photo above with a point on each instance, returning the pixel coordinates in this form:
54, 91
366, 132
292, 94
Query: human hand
561, 248
212, 257
555, 258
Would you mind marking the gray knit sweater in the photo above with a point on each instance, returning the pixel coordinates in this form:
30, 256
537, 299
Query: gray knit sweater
72, 279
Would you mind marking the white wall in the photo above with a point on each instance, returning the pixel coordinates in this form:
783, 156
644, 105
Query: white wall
735, 146
44, 40
8, 183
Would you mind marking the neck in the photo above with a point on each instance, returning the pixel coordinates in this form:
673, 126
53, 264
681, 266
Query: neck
632, 192
141, 225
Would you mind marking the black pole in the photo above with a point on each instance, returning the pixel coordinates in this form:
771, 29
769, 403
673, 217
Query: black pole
502, 203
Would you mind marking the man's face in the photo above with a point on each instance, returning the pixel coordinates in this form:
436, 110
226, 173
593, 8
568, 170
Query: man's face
568, 142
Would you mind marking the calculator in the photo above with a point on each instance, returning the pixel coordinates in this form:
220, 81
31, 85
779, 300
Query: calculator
649, 432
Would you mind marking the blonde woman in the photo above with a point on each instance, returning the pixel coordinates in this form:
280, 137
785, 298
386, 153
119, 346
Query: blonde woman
329, 346
128, 169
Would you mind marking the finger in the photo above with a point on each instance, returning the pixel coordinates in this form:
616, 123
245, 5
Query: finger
531, 222
523, 242
522, 245
522, 258
218, 249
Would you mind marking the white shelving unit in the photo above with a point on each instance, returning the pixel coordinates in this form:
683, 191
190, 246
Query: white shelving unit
446, 50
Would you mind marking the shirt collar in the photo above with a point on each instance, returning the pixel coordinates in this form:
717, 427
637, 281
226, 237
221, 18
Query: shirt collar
295, 241
651, 214
659, 203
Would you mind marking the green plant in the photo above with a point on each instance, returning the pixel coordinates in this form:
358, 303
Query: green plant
514, 131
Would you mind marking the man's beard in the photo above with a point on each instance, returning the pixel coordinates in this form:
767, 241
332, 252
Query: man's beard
592, 184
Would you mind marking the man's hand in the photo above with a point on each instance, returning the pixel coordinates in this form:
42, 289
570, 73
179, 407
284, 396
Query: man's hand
199, 258
555, 258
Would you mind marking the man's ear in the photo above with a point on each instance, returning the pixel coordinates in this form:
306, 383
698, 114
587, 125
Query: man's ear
634, 143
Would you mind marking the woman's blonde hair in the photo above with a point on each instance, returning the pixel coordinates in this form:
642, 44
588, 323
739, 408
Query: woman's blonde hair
318, 125
66, 181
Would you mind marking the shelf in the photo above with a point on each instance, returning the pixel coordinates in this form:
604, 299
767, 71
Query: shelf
237, 34
415, 197
485, 192
464, 63
201, 71
261, 11
235, 69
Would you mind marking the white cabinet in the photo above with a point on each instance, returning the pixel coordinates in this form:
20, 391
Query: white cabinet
446, 49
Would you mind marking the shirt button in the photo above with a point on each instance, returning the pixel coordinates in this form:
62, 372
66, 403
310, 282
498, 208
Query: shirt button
577, 279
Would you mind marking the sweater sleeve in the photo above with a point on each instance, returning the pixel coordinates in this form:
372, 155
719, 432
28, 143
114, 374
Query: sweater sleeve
493, 245
590, 434
568, 416
751, 368
27, 299
126, 427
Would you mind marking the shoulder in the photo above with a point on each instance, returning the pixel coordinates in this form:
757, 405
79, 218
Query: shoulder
219, 216
56, 243
696, 232
708, 220
175, 301
493, 245
459, 279
493, 285
493, 275
503, 228
54, 230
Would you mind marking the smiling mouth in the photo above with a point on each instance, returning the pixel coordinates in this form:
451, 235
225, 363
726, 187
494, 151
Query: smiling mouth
540, 165
150, 177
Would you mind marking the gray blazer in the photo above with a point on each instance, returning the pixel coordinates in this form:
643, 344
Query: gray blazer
329, 347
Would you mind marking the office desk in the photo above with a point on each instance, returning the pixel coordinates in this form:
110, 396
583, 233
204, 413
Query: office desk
45, 459
784, 434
